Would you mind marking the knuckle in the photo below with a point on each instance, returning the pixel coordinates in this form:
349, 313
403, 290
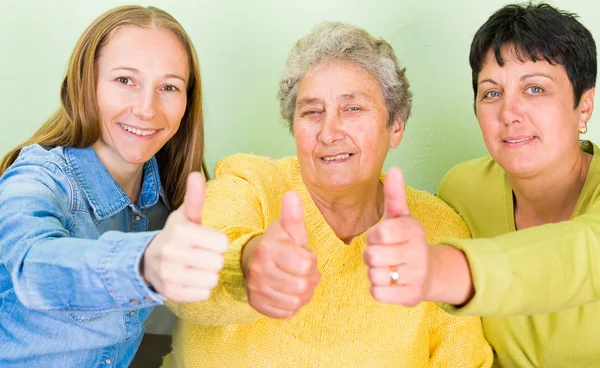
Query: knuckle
295, 303
213, 280
301, 286
254, 269
203, 294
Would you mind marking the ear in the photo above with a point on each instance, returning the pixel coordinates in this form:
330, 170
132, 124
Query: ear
396, 132
586, 106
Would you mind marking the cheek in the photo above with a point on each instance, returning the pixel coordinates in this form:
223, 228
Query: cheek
305, 138
487, 123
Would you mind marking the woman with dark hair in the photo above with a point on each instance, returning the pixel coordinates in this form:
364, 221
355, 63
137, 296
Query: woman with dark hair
82, 258
533, 207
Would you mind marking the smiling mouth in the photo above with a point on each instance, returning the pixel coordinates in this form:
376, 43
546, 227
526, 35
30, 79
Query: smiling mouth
340, 157
138, 132
518, 140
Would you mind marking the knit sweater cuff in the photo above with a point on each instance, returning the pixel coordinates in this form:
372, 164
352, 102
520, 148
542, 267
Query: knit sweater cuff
491, 273
232, 275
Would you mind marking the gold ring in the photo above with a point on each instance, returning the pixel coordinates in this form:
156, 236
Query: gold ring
394, 275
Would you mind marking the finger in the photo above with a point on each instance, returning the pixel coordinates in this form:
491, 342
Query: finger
189, 277
284, 282
385, 255
292, 218
194, 197
181, 294
296, 261
395, 194
382, 276
197, 236
273, 312
276, 299
395, 231
197, 258
408, 296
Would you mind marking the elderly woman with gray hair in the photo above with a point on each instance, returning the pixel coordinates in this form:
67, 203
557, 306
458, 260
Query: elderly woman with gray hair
306, 278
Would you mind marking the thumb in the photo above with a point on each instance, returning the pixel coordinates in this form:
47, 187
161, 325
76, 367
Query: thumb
395, 195
194, 197
292, 218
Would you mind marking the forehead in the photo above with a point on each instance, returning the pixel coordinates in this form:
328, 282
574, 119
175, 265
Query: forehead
339, 80
517, 63
140, 47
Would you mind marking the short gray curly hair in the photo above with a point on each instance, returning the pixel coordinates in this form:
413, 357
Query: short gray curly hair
338, 41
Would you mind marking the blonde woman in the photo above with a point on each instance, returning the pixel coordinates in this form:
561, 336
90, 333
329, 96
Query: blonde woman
83, 260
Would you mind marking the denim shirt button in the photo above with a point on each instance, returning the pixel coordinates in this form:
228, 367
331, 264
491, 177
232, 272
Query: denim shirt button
138, 217
107, 361
132, 313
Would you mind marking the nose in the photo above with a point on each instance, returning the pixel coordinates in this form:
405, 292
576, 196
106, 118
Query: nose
144, 107
331, 128
512, 109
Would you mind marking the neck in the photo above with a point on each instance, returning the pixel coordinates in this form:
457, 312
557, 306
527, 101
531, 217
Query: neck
351, 211
550, 196
128, 176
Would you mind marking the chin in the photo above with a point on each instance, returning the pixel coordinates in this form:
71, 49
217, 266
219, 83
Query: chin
136, 158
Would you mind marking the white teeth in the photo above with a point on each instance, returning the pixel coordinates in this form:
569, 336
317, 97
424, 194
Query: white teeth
518, 140
338, 157
137, 131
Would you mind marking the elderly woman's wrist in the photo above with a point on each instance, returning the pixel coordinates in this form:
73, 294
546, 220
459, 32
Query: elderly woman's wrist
450, 276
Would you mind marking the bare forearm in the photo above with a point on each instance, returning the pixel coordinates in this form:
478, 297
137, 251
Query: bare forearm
450, 276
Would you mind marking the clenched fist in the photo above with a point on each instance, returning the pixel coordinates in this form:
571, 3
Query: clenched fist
281, 272
398, 254
183, 261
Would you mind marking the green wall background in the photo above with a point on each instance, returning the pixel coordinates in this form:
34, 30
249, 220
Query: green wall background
242, 46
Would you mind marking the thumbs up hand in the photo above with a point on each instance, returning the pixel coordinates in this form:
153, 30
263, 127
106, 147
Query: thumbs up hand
398, 253
183, 261
281, 272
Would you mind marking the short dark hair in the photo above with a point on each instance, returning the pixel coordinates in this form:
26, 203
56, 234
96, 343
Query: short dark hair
538, 32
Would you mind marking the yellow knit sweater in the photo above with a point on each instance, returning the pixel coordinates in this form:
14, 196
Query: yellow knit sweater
342, 326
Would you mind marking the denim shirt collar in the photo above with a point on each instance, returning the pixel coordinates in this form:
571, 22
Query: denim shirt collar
105, 196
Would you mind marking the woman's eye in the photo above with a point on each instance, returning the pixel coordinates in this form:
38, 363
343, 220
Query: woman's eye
124, 80
535, 90
354, 108
492, 94
170, 88
311, 112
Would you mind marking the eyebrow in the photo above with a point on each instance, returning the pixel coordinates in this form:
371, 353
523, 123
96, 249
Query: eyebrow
346, 96
134, 70
488, 80
526, 76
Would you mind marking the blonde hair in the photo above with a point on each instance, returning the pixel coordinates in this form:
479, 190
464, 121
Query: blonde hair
77, 122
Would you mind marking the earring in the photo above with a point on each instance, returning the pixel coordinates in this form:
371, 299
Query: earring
584, 129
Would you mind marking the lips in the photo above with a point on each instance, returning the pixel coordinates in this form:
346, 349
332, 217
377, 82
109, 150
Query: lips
519, 139
336, 157
138, 131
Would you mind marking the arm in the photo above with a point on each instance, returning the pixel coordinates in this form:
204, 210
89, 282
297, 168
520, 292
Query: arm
457, 341
511, 272
234, 206
49, 269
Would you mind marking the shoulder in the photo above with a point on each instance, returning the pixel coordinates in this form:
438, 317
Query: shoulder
42, 156
256, 168
40, 162
438, 219
243, 173
470, 178
38, 172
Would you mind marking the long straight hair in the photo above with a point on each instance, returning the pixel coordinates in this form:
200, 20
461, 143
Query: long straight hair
77, 122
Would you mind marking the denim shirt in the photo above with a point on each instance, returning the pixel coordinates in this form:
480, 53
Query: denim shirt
71, 241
